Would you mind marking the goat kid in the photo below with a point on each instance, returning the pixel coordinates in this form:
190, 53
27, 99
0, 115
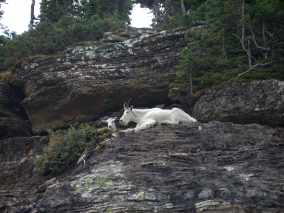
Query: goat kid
111, 123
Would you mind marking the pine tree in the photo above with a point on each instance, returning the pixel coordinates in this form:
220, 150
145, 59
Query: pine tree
53, 10
106, 8
1, 11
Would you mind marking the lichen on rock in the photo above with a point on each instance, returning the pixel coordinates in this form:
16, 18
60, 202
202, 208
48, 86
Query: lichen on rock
90, 79
243, 102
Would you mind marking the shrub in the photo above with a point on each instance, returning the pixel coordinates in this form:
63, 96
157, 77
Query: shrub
7, 76
178, 20
66, 147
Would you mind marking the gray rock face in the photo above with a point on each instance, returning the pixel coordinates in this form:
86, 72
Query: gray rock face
18, 180
220, 167
253, 102
14, 127
13, 121
128, 33
89, 80
224, 167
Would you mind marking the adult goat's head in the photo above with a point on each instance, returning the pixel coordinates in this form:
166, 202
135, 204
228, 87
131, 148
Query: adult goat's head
128, 114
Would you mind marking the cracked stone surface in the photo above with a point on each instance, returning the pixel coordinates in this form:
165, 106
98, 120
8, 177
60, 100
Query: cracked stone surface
88, 80
13, 119
243, 102
224, 167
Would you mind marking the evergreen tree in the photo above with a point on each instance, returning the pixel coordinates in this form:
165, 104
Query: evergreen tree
53, 10
1, 11
239, 36
106, 8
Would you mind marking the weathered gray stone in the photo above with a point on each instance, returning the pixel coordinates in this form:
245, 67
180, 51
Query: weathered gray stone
205, 194
217, 206
18, 179
16, 148
243, 102
87, 81
13, 120
224, 167
14, 127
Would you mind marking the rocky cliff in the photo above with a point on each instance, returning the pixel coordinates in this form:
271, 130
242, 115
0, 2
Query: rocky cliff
242, 102
224, 167
235, 164
88, 80
13, 119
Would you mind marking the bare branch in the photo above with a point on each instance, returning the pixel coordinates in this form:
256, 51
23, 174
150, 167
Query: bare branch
254, 67
246, 49
267, 49
243, 21
269, 33
239, 38
241, 41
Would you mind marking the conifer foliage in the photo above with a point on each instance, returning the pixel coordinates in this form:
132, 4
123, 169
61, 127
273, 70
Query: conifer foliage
239, 39
63, 23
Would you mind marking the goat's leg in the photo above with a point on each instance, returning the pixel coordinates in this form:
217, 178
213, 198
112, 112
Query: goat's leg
145, 125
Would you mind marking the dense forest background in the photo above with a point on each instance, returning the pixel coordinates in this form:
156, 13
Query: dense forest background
233, 39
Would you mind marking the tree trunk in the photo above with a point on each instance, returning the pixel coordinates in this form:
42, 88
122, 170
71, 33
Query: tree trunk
224, 46
32, 14
190, 84
264, 39
182, 6
243, 21
249, 55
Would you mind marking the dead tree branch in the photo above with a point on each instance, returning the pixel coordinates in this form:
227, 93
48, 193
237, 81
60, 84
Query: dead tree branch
250, 69
266, 49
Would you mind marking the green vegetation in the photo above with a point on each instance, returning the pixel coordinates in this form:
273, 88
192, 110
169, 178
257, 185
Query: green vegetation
63, 23
49, 38
7, 76
240, 40
181, 85
65, 148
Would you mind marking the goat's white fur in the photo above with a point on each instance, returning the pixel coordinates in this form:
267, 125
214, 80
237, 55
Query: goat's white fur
146, 118
111, 123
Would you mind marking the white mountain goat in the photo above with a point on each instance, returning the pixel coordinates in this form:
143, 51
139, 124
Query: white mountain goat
146, 118
110, 123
